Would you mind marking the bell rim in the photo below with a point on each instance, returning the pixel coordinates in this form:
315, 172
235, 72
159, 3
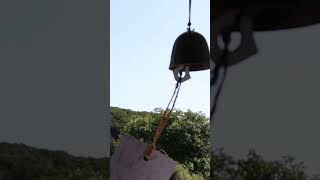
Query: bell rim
192, 66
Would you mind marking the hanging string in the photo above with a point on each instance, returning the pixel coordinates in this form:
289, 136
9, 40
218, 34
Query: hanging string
217, 95
175, 90
224, 65
163, 120
189, 23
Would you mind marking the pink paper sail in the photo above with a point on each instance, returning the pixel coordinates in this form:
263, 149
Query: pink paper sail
127, 162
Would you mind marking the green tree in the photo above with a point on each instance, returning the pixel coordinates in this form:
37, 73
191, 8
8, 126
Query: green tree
182, 173
254, 167
21, 162
186, 138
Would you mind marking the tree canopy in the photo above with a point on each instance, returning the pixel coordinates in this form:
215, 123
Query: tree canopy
22, 162
254, 167
186, 138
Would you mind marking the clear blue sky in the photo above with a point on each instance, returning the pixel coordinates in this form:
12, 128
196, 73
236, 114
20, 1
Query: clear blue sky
142, 36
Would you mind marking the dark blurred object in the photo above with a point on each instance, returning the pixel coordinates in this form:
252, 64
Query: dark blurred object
270, 15
190, 49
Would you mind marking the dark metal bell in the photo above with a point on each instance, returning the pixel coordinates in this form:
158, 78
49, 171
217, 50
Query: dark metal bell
268, 15
190, 49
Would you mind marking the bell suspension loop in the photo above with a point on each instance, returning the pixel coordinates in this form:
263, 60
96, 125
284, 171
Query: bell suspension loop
177, 72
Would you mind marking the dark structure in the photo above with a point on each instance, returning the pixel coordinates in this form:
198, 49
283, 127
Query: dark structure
270, 15
190, 49
247, 17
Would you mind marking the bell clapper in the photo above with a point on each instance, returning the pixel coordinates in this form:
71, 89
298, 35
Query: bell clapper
177, 72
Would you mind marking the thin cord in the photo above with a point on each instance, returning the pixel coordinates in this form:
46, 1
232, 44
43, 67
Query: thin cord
217, 95
175, 99
223, 63
166, 116
174, 92
189, 23
163, 120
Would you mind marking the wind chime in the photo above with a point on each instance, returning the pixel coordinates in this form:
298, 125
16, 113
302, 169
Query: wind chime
134, 160
247, 17
190, 53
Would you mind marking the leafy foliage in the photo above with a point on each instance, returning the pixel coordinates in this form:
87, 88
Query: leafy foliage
21, 162
186, 138
182, 174
254, 167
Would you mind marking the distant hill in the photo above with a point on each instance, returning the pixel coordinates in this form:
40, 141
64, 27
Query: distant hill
22, 162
